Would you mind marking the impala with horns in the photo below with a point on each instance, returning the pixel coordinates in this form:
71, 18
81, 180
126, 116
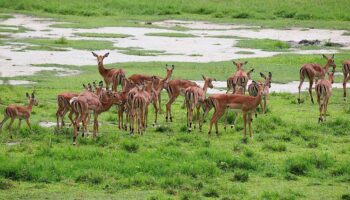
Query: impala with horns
314, 72
14, 111
239, 78
112, 76
194, 98
324, 91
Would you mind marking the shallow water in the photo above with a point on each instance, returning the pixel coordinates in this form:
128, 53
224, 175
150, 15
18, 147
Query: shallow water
207, 49
291, 87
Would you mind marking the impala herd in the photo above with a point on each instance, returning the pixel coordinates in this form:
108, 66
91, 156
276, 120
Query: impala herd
139, 91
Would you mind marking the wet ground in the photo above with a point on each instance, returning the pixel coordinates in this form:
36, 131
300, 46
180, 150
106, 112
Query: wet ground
208, 45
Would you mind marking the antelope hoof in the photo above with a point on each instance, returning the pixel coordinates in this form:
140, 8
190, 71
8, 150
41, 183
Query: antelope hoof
11, 137
171, 119
256, 115
189, 130
125, 127
312, 100
232, 126
299, 101
166, 119
225, 128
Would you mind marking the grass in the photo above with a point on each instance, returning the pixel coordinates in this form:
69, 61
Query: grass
103, 35
142, 52
61, 43
244, 52
169, 163
171, 34
13, 29
264, 44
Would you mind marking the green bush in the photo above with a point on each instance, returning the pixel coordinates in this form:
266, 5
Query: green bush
130, 146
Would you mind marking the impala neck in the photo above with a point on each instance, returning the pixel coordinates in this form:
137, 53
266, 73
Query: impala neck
101, 68
257, 99
326, 67
30, 106
205, 87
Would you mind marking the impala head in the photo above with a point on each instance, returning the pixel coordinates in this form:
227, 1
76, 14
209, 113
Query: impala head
239, 65
331, 77
169, 71
209, 81
31, 98
128, 85
249, 73
330, 61
100, 57
267, 79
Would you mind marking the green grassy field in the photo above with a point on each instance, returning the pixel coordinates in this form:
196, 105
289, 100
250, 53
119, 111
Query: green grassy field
290, 157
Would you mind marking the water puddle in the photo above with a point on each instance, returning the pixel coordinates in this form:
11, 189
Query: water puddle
47, 124
18, 63
16, 82
291, 87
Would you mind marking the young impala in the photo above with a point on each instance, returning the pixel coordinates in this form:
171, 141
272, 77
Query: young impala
239, 78
324, 91
254, 87
194, 97
346, 72
313, 72
112, 76
239, 103
19, 112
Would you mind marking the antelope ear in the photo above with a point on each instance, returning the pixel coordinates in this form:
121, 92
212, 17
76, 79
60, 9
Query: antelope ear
270, 74
100, 83
245, 62
333, 56
27, 95
166, 66
84, 85
250, 71
262, 75
172, 67
33, 95
254, 82
324, 56
94, 54
234, 62
106, 55
203, 77
214, 79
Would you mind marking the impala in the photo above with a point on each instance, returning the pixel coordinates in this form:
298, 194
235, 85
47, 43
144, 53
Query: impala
158, 83
128, 85
194, 97
112, 76
239, 78
139, 107
88, 101
314, 71
174, 89
324, 91
63, 102
239, 103
14, 111
254, 87
147, 89
346, 72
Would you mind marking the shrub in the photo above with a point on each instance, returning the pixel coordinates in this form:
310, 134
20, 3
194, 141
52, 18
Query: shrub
211, 192
5, 184
285, 14
242, 15
90, 177
241, 176
164, 129
61, 40
279, 147
130, 146
298, 165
